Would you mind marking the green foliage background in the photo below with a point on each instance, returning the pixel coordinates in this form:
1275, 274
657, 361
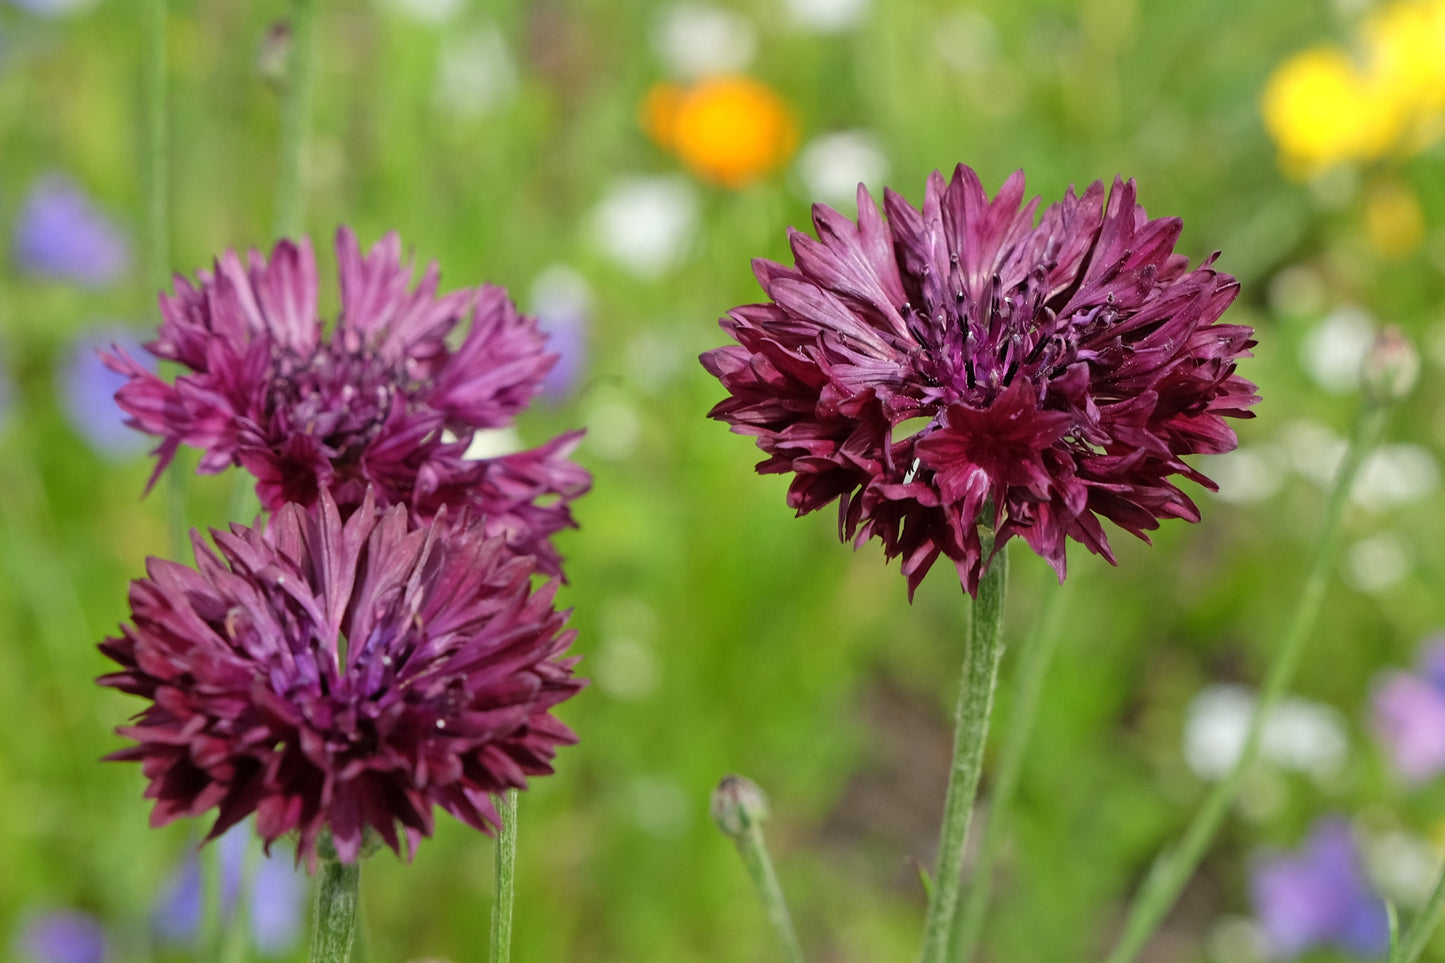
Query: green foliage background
775, 651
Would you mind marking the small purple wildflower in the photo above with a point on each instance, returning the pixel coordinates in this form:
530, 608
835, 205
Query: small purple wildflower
87, 385
1408, 715
562, 300
1318, 896
384, 401
276, 899
343, 676
60, 233
1059, 371
62, 936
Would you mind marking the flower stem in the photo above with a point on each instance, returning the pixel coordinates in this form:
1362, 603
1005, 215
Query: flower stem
337, 896
1413, 943
157, 226
295, 116
1174, 866
975, 704
506, 875
740, 809
1035, 655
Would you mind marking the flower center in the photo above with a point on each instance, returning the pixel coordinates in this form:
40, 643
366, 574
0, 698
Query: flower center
341, 397
978, 337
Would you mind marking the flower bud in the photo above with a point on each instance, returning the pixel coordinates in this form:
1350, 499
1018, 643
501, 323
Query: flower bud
1390, 367
738, 805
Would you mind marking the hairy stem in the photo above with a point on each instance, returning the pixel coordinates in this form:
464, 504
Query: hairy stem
1174, 866
975, 704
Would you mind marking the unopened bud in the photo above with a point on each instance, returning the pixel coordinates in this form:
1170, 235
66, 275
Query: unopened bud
738, 805
274, 55
1391, 366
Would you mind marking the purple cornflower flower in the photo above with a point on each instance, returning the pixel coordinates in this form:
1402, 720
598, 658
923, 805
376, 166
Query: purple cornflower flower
276, 898
1055, 373
384, 401
60, 233
1408, 715
1318, 896
87, 387
342, 676
62, 936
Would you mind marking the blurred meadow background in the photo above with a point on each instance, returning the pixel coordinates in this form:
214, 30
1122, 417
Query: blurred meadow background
616, 164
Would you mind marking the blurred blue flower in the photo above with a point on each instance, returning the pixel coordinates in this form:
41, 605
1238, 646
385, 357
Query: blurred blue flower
1318, 896
562, 304
60, 233
87, 393
62, 936
276, 898
50, 8
1408, 714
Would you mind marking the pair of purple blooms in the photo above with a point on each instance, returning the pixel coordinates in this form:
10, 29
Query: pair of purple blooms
275, 893
375, 648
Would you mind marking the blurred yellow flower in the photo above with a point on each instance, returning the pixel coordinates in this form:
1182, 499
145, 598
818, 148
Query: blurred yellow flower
1404, 44
1393, 219
730, 130
1324, 106
1320, 110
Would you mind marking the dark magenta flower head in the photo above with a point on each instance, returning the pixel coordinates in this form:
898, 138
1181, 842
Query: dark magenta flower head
1318, 896
342, 676
382, 400
963, 366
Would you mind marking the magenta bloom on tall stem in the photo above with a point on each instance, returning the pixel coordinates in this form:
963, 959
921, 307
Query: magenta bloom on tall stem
342, 676
382, 400
1056, 373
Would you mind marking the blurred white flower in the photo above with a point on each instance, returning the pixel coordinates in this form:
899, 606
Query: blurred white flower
1236, 939
1248, 474
426, 11
1297, 290
967, 41
1300, 736
646, 224
493, 443
1334, 349
1402, 866
660, 806
1396, 475
613, 429
696, 40
1374, 564
625, 668
477, 73
826, 16
832, 166
1314, 450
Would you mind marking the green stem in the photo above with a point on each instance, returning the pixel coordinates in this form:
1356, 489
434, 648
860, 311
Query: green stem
754, 851
975, 704
1422, 927
1174, 866
337, 896
506, 878
295, 117
1035, 655
208, 939
157, 227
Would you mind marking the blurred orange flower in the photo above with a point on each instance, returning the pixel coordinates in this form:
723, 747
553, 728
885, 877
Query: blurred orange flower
730, 130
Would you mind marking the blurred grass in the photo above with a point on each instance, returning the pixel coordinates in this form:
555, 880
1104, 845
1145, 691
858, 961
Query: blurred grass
771, 649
